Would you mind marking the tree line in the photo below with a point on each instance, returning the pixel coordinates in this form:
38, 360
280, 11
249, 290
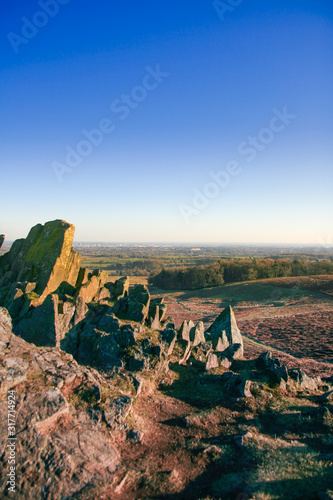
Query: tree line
233, 270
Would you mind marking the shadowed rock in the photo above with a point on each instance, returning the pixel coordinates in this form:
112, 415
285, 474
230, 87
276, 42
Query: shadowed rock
135, 306
2, 239
273, 365
48, 323
197, 334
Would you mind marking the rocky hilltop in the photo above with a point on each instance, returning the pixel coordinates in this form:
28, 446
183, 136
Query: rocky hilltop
84, 356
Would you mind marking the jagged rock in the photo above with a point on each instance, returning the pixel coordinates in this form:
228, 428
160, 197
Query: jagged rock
186, 347
244, 389
18, 299
138, 383
212, 361
109, 323
45, 256
121, 287
197, 334
168, 338
5, 327
103, 296
82, 277
221, 343
225, 328
274, 365
87, 293
327, 396
303, 379
156, 314
184, 331
224, 359
138, 362
135, 436
135, 306
69, 448
126, 336
117, 411
106, 352
48, 323
2, 239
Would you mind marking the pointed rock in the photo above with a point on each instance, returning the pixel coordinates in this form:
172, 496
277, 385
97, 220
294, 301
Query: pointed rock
225, 328
197, 334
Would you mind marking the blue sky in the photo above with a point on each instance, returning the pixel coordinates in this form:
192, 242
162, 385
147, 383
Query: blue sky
178, 88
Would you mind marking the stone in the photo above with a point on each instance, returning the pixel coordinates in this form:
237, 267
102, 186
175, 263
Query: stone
138, 362
2, 239
273, 365
45, 257
13, 371
126, 337
327, 396
117, 411
186, 347
168, 338
137, 382
87, 293
301, 378
197, 334
156, 314
184, 331
225, 327
212, 361
68, 446
121, 288
244, 389
134, 306
5, 325
48, 323
221, 343
135, 436
109, 323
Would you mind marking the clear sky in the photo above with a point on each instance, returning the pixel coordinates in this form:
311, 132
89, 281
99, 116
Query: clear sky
168, 120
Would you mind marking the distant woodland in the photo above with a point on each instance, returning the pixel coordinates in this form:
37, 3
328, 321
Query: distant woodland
231, 271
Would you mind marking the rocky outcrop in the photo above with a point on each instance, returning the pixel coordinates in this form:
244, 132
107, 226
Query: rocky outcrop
273, 365
134, 306
2, 239
119, 288
45, 257
65, 442
48, 323
225, 332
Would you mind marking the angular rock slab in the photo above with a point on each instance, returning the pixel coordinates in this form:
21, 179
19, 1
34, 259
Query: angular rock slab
225, 327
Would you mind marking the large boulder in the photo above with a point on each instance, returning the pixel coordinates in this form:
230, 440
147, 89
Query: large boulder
225, 332
45, 257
